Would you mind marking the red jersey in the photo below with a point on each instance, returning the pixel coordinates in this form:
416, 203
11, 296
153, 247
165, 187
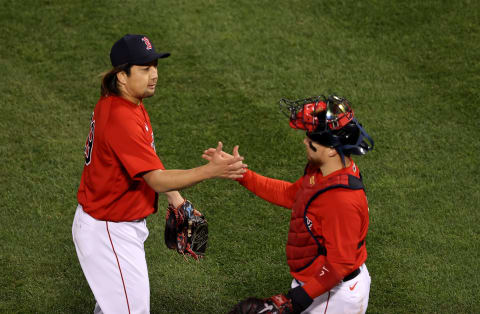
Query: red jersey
338, 217
119, 149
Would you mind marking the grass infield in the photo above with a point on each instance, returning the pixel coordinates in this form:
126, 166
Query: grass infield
410, 68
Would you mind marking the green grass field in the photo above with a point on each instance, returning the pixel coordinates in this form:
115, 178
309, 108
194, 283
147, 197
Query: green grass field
410, 68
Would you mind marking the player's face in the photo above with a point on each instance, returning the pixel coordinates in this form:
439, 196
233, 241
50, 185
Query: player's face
316, 153
141, 82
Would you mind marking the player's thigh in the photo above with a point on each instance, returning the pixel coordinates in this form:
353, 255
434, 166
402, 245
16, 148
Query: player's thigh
112, 258
351, 296
346, 297
128, 240
319, 304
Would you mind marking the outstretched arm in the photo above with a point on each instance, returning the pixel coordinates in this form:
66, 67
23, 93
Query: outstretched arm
278, 192
218, 167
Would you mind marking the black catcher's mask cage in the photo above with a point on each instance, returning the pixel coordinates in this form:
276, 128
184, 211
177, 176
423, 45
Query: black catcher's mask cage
329, 122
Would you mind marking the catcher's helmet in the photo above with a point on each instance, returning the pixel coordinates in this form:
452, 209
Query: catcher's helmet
329, 122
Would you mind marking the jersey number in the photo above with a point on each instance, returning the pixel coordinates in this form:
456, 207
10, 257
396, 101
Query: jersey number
89, 143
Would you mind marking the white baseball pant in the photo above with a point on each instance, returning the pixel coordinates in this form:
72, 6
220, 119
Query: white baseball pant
112, 257
345, 298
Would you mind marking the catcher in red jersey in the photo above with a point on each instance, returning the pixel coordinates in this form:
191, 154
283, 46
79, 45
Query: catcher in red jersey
122, 177
325, 250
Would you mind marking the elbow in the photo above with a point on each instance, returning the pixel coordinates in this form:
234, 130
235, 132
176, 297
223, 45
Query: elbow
154, 179
162, 189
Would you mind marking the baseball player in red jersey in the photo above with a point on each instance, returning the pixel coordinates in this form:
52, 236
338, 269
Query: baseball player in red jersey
325, 250
122, 177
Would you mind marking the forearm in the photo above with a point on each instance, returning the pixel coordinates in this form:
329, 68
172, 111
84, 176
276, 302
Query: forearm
171, 180
275, 191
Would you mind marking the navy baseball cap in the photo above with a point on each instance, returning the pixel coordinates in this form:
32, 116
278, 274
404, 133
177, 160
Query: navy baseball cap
135, 50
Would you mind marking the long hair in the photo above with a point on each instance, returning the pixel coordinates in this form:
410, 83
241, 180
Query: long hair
109, 80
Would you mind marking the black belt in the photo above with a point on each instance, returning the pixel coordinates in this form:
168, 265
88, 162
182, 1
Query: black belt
352, 275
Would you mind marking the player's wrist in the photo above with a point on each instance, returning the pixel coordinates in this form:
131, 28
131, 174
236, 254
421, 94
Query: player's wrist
244, 177
204, 172
175, 198
299, 298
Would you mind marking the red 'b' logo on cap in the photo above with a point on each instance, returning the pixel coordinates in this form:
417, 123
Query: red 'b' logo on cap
147, 43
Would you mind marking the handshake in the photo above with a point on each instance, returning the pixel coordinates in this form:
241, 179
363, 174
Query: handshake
224, 165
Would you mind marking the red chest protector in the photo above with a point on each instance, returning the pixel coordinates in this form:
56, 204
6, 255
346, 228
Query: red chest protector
303, 246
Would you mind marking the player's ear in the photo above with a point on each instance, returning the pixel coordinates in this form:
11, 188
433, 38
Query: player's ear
332, 152
122, 77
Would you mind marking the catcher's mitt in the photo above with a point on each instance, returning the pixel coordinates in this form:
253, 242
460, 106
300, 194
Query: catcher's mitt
186, 230
248, 306
278, 304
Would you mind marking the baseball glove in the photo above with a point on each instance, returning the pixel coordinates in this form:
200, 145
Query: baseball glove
248, 306
186, 230
278, 304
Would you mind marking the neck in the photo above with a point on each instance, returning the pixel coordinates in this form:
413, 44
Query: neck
129, 97
334, 165
132, 99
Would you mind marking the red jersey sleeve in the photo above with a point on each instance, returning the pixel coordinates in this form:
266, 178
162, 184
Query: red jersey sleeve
278, 192
131, 140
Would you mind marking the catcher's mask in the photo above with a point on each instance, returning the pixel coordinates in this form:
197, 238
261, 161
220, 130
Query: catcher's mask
329, 122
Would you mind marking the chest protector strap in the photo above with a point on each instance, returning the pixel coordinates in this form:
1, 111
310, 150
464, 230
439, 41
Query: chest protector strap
354, 183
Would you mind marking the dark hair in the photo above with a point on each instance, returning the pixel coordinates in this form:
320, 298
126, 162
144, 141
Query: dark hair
109, 80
